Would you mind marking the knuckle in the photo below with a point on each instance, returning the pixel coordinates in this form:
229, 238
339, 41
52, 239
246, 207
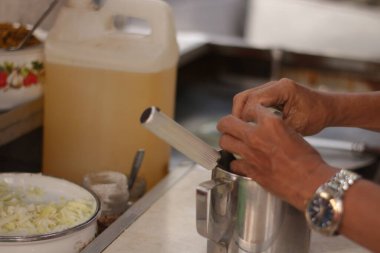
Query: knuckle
286, 81
238, 97
290, 84
251, 137
272, 120
222, 123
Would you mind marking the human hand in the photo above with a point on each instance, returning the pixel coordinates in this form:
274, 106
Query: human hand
304, 109
274, 155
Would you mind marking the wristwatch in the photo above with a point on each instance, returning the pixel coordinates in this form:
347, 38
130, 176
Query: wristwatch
325, 209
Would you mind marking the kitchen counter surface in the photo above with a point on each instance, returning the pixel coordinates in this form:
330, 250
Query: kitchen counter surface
168, 225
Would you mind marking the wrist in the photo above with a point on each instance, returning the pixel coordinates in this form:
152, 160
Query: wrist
320, 175
332, 106
324, 211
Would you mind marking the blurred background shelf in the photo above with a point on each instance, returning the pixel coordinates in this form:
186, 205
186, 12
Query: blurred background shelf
20, 121
21, 138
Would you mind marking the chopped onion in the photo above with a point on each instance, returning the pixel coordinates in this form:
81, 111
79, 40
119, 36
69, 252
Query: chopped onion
25, 212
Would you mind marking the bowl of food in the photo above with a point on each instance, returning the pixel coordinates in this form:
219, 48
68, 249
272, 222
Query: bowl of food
44, 214
22, 70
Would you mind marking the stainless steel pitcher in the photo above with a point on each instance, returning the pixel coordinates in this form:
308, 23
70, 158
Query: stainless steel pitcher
236, 214
233, 212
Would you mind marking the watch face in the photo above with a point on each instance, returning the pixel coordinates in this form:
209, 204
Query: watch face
321, 212
324, 211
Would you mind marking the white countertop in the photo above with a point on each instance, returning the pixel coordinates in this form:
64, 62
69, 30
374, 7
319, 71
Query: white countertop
168, 226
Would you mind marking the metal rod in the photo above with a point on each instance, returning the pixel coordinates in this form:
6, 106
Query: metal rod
137, 161
180, 138
336, 144
37, 24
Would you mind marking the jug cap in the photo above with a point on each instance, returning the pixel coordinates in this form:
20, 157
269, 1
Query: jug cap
87, 37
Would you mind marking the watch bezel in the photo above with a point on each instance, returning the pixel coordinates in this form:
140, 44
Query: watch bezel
335, 200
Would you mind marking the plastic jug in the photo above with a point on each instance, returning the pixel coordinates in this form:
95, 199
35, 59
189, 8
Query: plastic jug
98, 81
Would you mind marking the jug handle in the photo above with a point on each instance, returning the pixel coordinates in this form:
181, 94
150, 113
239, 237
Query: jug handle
204, 221
203, 202
157, 13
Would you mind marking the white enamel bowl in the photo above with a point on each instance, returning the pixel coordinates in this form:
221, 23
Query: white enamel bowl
71, 240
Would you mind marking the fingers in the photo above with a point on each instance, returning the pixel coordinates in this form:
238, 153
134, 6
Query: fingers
232, 145
235, 135
245, 132
241, 138
234, 127
244, 168
239, 102
240, 99
241, 167
271, 94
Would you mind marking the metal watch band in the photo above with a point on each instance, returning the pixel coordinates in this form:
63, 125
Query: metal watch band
342, 181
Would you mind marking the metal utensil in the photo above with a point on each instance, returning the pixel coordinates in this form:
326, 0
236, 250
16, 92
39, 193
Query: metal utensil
37, 24
137, 161
358, 147
183, 140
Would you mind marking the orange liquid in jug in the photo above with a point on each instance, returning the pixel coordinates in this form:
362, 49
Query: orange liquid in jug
92, 121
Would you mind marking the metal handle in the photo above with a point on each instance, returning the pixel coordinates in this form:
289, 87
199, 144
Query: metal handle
180, 138
213, 211
137, 161
203, 200
157, 14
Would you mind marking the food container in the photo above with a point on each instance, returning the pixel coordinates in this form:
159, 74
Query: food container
98, 79
70, 240
21, 73
112, 189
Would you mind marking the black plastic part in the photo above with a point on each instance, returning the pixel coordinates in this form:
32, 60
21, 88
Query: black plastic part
225, 160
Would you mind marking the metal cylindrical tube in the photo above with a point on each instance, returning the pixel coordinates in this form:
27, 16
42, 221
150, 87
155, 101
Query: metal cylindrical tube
179, 137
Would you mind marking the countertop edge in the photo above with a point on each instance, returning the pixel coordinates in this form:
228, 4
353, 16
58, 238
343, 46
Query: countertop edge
103, 240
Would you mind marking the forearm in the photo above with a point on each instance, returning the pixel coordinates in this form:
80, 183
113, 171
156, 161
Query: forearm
361, 207
361, 220
354, 110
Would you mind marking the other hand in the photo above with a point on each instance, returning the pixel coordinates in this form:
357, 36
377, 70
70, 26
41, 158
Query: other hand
304, 109
274, 155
